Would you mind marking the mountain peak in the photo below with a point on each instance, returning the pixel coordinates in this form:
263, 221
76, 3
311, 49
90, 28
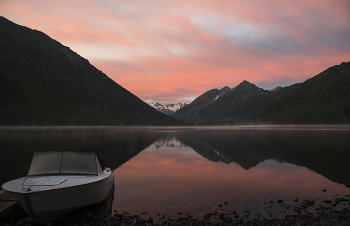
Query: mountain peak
225, 87
245, 82
275, 89
4, 20
154, 103
224, 90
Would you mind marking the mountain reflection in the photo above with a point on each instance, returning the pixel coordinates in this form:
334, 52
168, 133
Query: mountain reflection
324, 152
116, 145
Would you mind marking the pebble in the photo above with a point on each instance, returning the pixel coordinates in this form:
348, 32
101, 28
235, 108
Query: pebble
228, 219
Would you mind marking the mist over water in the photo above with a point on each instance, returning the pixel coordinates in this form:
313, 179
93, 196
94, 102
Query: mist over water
192, 169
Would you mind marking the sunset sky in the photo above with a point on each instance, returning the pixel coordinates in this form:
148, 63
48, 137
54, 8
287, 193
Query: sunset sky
173, 51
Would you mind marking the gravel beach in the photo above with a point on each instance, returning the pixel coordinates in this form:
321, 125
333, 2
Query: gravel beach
330, 212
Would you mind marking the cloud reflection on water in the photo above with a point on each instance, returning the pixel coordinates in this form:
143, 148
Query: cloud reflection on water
178, 178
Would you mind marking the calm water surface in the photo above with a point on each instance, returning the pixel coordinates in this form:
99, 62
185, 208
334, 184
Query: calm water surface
168, 170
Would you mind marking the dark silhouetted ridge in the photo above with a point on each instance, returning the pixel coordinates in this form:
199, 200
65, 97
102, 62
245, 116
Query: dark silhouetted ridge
236, 105
322, 99
43, 82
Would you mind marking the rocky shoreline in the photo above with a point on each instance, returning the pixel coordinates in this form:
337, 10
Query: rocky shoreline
335, 211
331, 218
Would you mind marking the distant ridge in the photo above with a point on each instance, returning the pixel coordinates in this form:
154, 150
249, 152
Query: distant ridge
168, 109
45, 83
322, 99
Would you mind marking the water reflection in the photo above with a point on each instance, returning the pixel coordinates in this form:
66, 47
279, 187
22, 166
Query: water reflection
325, 152
193, 169
116, 145
244, 168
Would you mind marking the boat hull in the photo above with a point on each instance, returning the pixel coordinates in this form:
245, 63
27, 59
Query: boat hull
49, 205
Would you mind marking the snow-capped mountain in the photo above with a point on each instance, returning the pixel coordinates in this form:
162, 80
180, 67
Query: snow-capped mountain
168, 109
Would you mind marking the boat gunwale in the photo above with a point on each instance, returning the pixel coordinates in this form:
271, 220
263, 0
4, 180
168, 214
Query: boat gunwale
57, 174
106, 174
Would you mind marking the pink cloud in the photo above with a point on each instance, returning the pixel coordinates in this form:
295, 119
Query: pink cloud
164, 50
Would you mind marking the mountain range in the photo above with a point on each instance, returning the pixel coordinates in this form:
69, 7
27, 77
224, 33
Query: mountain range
322, 99
43, 82
168, 109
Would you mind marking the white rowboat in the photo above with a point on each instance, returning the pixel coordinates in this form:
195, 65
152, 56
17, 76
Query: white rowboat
59, 183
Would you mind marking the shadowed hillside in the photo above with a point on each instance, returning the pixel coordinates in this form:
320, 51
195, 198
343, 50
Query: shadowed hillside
45, 83
236, 105
322, 99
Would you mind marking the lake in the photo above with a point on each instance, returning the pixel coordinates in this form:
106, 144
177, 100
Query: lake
251, 171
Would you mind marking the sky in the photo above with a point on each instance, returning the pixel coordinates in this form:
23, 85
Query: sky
175, 50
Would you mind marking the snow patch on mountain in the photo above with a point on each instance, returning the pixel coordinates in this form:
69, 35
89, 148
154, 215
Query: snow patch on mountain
275, 89
168, 109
